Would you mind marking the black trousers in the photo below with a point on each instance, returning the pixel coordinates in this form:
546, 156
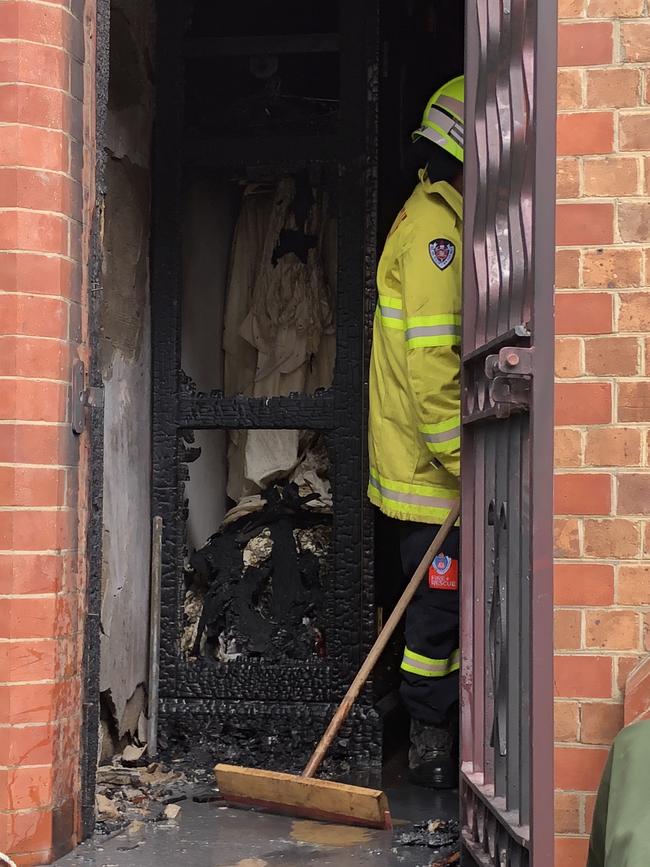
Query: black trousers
431, 630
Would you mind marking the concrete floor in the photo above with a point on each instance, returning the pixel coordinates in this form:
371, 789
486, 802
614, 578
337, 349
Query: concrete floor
210, 835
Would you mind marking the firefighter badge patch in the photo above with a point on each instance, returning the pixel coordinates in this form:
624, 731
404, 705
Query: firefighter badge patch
442, 252
443, 573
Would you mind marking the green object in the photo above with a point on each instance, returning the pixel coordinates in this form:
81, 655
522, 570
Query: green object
442, 121
620, 835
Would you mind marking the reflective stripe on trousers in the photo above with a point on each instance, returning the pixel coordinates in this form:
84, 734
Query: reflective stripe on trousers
424, 666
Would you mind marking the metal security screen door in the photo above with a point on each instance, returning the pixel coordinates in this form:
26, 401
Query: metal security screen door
507, 699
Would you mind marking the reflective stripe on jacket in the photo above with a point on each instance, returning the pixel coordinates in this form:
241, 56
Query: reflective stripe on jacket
414, 428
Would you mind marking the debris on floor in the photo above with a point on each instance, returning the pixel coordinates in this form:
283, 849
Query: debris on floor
235, 608
443, 835
133, 791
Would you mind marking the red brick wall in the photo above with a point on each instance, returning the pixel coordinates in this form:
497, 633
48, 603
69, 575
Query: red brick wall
42, 321
602, 495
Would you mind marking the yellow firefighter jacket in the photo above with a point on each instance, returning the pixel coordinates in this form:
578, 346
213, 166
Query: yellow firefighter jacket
414, 429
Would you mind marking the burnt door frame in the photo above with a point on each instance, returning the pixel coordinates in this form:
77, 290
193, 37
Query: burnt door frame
195, 694
507, 406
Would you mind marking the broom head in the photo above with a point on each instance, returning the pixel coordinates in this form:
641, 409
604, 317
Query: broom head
305, 797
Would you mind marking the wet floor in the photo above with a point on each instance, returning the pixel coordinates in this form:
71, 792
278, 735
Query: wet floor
211, 835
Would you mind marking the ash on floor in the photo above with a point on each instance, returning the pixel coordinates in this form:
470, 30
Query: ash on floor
212, 835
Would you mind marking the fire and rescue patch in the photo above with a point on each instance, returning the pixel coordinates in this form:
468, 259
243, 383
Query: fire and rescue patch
443, 573
442, 252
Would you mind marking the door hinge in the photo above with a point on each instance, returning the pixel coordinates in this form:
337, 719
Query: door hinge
82, 397
510, 374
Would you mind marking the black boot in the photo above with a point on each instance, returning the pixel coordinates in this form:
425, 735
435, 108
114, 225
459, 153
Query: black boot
433, 757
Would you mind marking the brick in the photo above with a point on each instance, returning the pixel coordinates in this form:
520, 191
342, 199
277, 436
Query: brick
613, 88
633, 585
567, 813
590, 804
568, 179
613, 447
35, 106
566, 539
635, 41
585, 223
29, 486
571, 8
35, 317
634, 311
28, 617
34, 531
565, 715
585, 133
588, 44
28, 230
612, 356
625, 666
609, 539
579, 768
583, 676
568, 358
31, 745
28, 788
39, 190
633, 494
566, 631
615, 8
637, 693
569, 89
29, 660
610, 176
579, 403
27, 703
39, 274
568, 447
34, 358
582, 494
633, 131
571, 851
29, 573
583, 584
29, 21
583, 313
38, 444
634, 401
567, 269
28, 146
30, 832
29, 400
34, 64
634, 220
612, 630
612, 268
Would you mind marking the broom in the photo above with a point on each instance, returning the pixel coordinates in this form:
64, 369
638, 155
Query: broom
322, 799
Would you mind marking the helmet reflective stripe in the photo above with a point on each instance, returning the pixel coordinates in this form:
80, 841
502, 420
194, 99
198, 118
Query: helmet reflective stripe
447, 124
442, 122
455, 106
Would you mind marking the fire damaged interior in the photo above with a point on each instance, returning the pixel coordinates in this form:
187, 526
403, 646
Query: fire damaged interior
280, 156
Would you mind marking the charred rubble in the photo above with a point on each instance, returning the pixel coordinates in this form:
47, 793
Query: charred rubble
256, 588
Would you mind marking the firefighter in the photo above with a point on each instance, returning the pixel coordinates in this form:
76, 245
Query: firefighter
414, 427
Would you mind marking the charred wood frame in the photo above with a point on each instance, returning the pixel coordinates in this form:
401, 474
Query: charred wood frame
243, 701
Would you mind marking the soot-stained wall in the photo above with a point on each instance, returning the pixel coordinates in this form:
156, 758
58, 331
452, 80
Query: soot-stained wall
126, 369
208, 226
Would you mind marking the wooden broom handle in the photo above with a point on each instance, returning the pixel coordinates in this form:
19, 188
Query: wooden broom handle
378, 647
